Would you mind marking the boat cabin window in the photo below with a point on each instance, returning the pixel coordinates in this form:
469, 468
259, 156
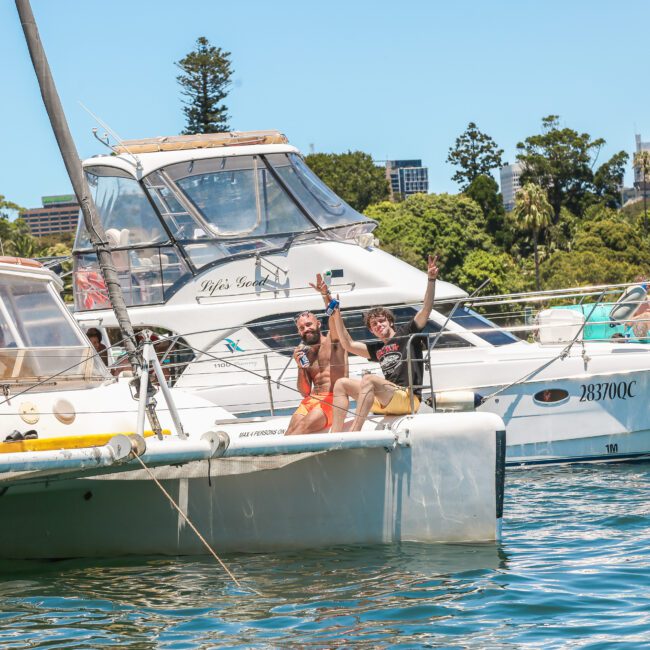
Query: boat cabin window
38, 339
147, 277
188, 215
280, 333
37, 315
237, 196
480, 325
174, 354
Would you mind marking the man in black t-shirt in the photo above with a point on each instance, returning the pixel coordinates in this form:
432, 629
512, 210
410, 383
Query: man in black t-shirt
389, 394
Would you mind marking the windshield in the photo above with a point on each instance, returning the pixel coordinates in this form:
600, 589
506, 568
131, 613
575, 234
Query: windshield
123, 208
323, 205
195, 213
238, 196
38, 338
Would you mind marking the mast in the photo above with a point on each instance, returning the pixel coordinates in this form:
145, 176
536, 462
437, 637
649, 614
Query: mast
77, 178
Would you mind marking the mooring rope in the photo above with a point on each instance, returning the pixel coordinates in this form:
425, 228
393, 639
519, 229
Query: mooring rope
194, 528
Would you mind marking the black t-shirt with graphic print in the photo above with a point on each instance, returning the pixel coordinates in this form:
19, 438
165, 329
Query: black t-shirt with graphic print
392, 356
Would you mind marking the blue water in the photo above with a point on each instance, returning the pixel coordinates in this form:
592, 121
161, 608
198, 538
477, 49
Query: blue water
572, 570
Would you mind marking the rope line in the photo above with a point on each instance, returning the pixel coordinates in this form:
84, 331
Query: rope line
194, 528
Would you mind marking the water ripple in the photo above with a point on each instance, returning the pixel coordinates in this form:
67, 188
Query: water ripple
573, 570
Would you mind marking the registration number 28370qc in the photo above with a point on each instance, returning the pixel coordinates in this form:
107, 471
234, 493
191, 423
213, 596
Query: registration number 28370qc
607, 390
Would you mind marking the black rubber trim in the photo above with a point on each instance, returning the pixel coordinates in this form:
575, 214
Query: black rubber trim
500, 471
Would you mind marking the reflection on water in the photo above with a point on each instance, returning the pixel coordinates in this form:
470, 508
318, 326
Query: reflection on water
573, 564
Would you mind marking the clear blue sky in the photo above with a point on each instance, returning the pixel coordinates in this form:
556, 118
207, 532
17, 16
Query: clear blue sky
394, 79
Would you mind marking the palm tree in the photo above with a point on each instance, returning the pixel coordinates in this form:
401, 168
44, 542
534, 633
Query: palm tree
533, 213
642, 165
23, 245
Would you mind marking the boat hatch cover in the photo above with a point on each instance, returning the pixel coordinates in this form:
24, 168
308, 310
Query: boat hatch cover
200, 141
20, 261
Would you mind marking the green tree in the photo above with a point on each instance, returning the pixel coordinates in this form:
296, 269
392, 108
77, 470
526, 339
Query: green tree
7, 228
560, 161
504, 274
608, 247
452, 226
22, 244
475, 153
485, 191
533, 214
642, 165
62, 250
352, 175
608, 179
575, 269
205, 80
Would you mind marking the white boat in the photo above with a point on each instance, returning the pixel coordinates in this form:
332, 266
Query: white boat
217, 238
82, 486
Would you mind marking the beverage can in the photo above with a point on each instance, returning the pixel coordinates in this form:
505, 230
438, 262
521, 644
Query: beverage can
332, 307
303, 359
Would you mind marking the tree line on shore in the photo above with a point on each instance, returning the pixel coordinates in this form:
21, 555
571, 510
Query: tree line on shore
568, 226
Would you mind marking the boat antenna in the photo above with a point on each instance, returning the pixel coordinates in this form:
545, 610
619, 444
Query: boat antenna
115, 136
75, 172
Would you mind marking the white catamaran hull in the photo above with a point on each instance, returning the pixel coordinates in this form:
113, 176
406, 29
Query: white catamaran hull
602, 418
442, 481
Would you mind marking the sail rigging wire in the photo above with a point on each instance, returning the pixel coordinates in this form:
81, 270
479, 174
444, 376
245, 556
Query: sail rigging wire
562, 355
262, 377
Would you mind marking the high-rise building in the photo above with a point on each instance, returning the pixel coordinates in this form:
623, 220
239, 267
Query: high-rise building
58, 214
407, 177
638, 175
510, 183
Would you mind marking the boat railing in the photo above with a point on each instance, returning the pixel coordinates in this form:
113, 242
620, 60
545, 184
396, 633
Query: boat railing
543, 295
268, 361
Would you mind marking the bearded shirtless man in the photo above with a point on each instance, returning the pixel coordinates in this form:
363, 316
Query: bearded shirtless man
328, 362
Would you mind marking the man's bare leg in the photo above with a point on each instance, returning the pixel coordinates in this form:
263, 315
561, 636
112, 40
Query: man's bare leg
371, 386
344, 388
313, 422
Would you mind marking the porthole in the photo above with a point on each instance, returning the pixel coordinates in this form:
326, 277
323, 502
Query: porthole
552, 396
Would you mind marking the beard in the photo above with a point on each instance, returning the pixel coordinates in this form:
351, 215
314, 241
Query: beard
311, 338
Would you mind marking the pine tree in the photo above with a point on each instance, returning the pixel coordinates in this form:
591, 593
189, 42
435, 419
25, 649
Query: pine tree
475, 153
205, 81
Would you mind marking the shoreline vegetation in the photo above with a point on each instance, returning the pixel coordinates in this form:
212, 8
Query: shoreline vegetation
582, 233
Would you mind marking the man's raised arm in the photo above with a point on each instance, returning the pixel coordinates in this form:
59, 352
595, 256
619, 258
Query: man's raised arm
324, 291
422, 316
349, 345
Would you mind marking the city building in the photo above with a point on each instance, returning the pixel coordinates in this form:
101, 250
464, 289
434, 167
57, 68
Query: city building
407, 177
510, 183
638, 175
58, 214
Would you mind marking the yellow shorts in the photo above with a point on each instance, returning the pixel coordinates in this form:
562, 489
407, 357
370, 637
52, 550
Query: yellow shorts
400, 404
316, 401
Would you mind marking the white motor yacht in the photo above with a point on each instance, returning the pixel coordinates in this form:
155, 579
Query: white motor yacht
75, 459
217, 238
